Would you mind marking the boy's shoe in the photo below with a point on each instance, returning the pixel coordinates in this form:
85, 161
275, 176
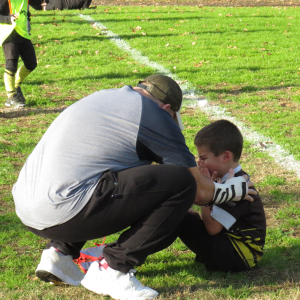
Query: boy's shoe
106, 281
20, 93
58, 268
15, 101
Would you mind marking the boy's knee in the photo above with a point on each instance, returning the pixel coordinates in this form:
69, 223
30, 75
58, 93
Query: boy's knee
31, 66
11, 66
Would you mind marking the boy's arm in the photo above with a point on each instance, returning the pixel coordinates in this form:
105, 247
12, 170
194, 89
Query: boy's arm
211, 225
5, 16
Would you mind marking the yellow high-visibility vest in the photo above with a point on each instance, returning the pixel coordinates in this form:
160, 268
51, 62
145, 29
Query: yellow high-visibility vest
20, 9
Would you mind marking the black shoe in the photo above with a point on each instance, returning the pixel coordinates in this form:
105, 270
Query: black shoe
15, 101
19, 92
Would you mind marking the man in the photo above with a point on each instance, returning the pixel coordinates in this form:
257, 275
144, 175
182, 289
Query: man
91, 176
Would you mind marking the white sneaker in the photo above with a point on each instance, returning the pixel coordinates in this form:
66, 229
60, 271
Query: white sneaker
116, 284
58, 268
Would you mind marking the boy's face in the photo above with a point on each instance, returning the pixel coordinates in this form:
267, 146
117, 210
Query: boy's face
212, 162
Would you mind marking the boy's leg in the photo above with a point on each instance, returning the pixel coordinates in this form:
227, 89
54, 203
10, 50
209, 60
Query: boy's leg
11, 52
9, 82
28, 56
216, 252
193, 234
223, 256
21, 74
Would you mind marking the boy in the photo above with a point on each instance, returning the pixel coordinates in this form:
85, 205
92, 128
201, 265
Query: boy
14, 37
229, 236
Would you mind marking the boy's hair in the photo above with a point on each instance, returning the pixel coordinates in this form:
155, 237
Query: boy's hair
221, 136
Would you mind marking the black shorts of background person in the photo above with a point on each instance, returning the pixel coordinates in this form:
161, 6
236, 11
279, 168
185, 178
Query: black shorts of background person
60, 4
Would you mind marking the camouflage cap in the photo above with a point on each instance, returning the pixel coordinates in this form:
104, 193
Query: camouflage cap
166, 90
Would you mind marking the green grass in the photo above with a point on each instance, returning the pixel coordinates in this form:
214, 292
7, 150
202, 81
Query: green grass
223, 61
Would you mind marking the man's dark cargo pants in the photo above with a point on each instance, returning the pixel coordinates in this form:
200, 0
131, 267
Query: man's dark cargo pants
148, 201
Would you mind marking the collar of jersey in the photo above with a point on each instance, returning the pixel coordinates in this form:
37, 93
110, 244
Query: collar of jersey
237, 169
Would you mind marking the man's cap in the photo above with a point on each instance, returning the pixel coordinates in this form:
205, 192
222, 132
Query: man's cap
167, 91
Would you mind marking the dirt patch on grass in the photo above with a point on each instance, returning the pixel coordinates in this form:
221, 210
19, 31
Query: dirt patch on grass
5, 207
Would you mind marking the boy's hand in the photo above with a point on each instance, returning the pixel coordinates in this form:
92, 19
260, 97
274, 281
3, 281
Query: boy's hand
249, 183
205, 172
13, 18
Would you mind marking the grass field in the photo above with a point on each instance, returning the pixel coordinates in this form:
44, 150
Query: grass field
243, 60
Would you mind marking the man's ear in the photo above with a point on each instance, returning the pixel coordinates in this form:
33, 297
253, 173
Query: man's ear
165, 106
227, 156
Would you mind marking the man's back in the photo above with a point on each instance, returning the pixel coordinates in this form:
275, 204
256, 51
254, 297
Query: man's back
114, 129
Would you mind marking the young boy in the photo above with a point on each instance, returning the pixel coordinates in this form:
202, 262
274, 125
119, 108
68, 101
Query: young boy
229, 236
14, 37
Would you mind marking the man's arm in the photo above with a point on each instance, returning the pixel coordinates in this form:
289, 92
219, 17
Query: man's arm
5, 16
205, 187
209, 192
211, 225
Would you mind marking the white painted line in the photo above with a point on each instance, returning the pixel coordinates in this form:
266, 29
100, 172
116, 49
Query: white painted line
281, 156
137, 55
264, 143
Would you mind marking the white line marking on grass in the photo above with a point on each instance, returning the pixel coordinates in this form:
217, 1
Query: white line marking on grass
281, 156
134, 53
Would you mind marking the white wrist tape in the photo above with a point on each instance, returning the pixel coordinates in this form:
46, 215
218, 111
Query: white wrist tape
234, 189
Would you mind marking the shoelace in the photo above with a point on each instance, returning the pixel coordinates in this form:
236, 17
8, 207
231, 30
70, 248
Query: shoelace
84, 261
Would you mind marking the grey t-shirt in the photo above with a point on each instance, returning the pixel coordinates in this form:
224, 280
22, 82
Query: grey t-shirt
113, 129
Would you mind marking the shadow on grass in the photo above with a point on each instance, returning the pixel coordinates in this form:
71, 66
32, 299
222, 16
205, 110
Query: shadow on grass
279, 267
248, 89
14, 113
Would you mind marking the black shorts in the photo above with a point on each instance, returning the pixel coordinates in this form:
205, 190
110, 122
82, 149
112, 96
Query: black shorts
24, 49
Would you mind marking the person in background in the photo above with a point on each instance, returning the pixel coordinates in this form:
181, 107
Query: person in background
60, 4
15, 40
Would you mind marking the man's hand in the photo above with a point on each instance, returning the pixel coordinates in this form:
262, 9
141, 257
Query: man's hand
249, 184
234, 189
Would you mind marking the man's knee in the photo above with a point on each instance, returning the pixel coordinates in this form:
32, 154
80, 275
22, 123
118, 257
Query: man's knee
183, 176
183, 183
